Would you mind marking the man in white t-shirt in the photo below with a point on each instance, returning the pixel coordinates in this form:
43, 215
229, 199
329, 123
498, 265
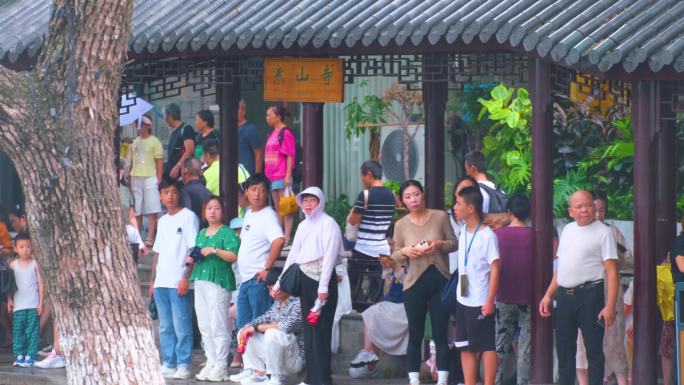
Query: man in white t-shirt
587, 259
176, 233
478, 269
261, 241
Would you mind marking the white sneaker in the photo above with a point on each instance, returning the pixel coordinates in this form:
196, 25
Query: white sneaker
219, 373
241, 376
204, 373
168, 372
52, 361
364, 358
255, 379
182, 373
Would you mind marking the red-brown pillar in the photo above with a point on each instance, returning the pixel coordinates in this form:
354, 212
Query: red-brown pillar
435, 94
644, 109
227, 98
312, 145
541, 360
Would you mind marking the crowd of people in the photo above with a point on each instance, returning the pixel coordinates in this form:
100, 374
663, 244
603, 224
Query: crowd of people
461, 273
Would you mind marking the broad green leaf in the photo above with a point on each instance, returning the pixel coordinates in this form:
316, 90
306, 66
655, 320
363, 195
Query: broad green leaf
499, 92
490, 142
499, 114
513, 119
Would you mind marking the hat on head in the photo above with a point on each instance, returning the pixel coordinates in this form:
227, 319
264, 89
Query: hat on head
146, 120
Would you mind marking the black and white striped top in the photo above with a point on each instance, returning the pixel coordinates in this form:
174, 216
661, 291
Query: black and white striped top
377, 217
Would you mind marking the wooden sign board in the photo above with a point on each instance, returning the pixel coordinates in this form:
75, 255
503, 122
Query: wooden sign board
304, 80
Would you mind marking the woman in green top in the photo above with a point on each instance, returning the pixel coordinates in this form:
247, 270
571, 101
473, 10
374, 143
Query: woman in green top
214, 283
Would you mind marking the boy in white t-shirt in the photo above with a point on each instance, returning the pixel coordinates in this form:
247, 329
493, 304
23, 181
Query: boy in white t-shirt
176, 233
478, 270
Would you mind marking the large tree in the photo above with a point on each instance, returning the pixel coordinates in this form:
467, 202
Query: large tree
57, 124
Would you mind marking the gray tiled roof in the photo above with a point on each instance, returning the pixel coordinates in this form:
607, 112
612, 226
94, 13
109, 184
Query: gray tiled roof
599, 33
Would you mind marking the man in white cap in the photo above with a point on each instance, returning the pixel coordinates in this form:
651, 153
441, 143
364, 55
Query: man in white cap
147, 166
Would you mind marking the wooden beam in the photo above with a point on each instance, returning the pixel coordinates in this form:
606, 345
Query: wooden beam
435, 94
227, 98
643, 120
541, 360
312, 145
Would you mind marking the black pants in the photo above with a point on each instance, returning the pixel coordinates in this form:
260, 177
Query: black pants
362, 268
579, 309
424, 295
318, 338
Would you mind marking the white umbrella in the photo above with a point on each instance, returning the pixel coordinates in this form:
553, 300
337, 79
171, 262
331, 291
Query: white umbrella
132, 109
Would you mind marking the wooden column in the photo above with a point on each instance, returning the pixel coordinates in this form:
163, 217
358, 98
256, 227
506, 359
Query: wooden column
541, 360
435, 94
643, 122
666, 182
312, 145
227, 98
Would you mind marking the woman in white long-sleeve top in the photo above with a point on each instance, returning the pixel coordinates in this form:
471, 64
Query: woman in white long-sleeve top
316, 248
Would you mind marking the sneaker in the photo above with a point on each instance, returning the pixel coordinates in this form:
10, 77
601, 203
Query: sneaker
204, 373
359, 373
219, 373
167, 372
364, 358
53, 361
255, 379
19, 361
182, 373
28, 362
241, 376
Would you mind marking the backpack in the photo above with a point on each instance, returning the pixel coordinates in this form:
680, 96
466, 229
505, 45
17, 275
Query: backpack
297, 166
497, 199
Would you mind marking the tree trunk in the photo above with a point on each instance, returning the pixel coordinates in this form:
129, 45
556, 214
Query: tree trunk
374, 145
57, 124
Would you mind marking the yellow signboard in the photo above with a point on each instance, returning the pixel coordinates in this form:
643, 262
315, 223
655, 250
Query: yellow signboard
304, 80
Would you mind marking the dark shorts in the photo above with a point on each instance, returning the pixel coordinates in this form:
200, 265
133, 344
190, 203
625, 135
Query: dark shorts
473, 332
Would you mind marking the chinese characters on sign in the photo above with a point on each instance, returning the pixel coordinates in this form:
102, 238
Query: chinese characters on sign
304, 80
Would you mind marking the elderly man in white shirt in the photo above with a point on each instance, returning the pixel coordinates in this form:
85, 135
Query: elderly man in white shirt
586, 253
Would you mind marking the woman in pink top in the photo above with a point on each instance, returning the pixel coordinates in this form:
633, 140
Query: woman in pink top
279, 160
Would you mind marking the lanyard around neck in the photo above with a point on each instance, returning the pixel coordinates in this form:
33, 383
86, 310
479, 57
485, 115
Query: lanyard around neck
467, 251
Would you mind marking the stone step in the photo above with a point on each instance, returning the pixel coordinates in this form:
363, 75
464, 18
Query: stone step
351, 334
351, 341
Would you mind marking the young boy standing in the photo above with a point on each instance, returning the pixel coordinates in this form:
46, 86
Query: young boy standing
26, 304
176, 233
478, 270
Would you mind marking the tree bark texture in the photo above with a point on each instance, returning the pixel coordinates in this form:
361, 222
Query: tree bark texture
57, 123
